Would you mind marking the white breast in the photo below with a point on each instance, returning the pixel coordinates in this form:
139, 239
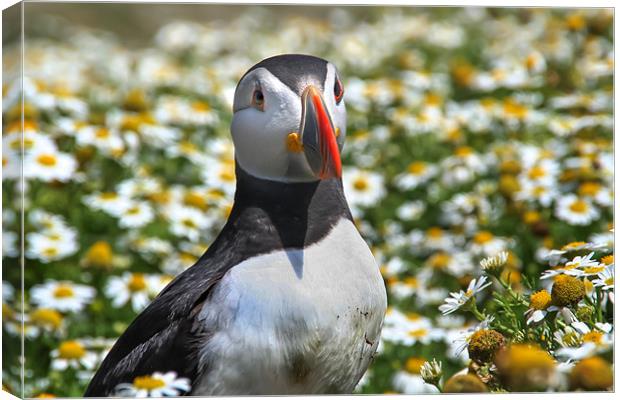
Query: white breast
296, 321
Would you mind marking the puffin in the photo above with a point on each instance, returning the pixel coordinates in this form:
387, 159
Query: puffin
288, 299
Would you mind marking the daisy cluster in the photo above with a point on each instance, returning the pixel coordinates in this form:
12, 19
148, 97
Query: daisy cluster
478, 166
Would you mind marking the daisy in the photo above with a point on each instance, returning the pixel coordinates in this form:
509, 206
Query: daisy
459, 299
579, 266
142, 185
62, 295
575, 210
542, 194
51, 245
33, 142
45, 320
49, 165
408, 383
579, 341
605, 279
159, 136
418, 173
393, 267
155, 385
137, 288
109, 202
150, 248
7, 291
138, 214
188, 150
104, 139
188, 222
486, 244
461, 341
542, 173
407, 329
401, 289
411, 210
9, 244
540, 305
220, 174
362, 188
73, 353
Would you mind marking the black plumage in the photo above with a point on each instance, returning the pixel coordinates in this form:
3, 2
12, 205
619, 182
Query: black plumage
266, 216
295, 70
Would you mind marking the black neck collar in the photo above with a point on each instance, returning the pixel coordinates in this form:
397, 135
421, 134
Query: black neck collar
269, 215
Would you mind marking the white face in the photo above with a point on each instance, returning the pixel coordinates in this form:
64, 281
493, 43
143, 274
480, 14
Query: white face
267, 112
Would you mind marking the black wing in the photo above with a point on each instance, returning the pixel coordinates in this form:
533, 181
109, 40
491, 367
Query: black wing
164, 337
266, 216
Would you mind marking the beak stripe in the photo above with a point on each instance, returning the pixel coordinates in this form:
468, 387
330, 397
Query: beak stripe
329, 147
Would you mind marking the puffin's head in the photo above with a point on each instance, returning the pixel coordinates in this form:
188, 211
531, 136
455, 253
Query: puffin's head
289, 119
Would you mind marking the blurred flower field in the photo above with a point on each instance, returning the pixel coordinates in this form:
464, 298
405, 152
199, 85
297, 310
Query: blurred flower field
478, 165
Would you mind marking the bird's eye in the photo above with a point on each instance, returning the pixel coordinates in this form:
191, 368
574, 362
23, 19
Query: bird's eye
338, 91
258, 100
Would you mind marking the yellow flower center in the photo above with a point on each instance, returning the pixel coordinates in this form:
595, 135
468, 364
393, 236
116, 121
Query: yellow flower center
589, 189
514, 109
579, 206
133, 210
195, 200
531, 217
609, 281
522, 358
100, 254
540, 300
411, 281
102, 133
148, 383
417, 167
536, 172
414, 364
136, 282
50, 252
575, 22
189, 223
608, 260
573, 245
530, 61
46, 316
108, 196
434, 232
433, 99
593, 337
227, 174
463, 151
571, 339
201, 106
63, 291
418, 333
483, 237
71, 350
187, 147
411, 316
360, 184
49, 160
593, 270
567, 290
439, 260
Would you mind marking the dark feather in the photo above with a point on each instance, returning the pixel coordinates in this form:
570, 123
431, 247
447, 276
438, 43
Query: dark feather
295, 70
266, 216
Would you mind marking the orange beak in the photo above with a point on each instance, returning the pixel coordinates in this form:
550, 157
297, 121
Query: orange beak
318, 136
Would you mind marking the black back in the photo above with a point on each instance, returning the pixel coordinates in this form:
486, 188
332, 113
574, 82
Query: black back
295, 70
266, 216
